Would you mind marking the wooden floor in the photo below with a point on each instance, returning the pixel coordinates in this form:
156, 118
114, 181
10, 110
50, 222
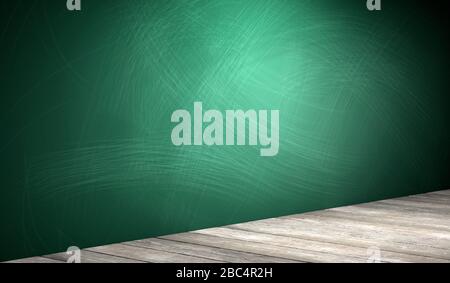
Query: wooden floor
409, 229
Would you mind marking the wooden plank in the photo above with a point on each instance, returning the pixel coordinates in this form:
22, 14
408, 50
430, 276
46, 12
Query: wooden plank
358, 214
35, 260
148, 255
433, 245
94, 257
387, 210
406, 208
430, 198
445, 193
214, 253
380, 225
418, 204
340, 251
262, 248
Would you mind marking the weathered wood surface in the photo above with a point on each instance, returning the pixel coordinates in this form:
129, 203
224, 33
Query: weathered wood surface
409, 229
